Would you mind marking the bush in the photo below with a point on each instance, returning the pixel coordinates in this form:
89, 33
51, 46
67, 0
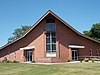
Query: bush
16, 61
86, 60
4, 60
81, 60
93, 60
69, 60
33, 61
8, 61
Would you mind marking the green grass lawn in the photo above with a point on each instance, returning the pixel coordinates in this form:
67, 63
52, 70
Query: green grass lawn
55, 69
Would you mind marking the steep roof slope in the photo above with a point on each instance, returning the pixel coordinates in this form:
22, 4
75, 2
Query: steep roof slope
53, 14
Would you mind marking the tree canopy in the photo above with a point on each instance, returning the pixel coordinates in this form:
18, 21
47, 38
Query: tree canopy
18, 33
94, 32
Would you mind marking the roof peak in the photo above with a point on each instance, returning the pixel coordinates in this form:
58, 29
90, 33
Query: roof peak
49, 11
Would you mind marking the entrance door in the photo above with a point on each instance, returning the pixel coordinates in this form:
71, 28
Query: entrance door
28, 55
74, 54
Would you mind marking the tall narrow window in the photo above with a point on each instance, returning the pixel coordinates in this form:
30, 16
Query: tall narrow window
90, 52
97, 51
15, 55
9, 55
2, 55
50, 35
51, 42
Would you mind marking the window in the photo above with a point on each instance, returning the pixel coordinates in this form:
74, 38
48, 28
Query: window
50, 28
51, 42
9, 55
50, 20
14, 55
50, 25
3, 54
90, 52
97, 51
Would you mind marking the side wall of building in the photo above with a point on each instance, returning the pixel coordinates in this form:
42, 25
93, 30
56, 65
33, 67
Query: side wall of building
64, 37
34, 38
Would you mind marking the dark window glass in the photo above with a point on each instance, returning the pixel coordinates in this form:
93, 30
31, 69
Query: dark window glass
53, 40
47, 35
53, 47
47, 40
50, 20
48, 47
50, 27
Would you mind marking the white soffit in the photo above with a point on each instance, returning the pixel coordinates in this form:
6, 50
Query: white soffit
76, 46
26, 48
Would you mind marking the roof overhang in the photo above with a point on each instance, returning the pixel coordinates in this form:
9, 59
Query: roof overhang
57, 17
76, 46
27, 48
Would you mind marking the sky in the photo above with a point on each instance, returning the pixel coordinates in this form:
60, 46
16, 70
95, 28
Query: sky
80, 14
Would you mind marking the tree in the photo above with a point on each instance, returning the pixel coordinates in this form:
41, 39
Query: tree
94, 32
18, 33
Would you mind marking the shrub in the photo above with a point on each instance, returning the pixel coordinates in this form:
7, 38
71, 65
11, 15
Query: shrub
93, 60
4, 60
81, 60
16, 61
8, 61
33, 61
86, 60
68, 60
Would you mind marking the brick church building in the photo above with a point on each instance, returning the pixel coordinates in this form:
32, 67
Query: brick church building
50, 39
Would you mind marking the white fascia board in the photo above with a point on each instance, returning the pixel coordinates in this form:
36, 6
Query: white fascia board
76, 46
26, 48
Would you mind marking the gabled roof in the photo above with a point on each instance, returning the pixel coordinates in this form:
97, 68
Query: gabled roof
53, 14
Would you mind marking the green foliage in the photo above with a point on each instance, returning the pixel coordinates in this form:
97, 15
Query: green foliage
81, 60
86, 60
18, 33
93, 60
16, 61
6, 61
94, 32
33, 62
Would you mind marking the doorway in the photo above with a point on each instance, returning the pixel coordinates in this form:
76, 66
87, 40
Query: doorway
75, 54
28, 55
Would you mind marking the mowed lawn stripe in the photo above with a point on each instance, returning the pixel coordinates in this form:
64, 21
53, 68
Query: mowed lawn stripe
54, 69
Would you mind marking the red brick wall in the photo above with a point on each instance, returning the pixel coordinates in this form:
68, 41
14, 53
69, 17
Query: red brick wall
66, 36
37, 38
